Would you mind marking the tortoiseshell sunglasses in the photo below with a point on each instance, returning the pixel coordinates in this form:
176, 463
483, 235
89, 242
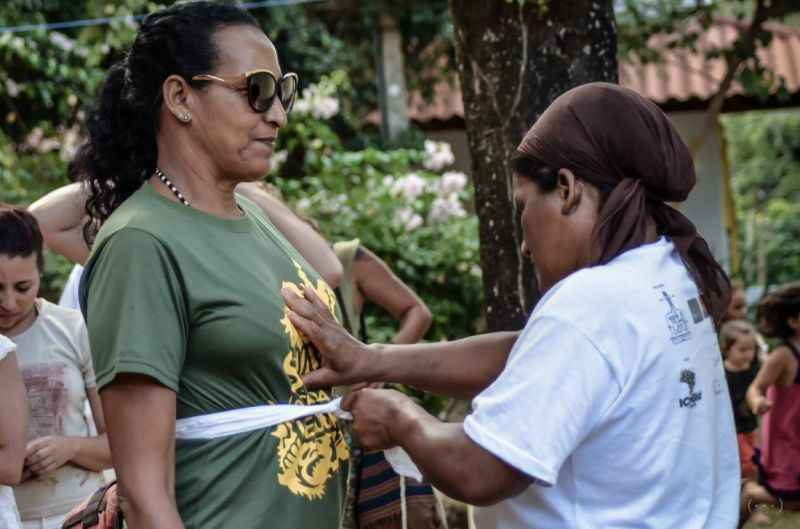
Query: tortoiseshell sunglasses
262, 86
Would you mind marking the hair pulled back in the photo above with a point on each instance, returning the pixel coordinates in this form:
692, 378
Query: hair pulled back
121, 152
775, 309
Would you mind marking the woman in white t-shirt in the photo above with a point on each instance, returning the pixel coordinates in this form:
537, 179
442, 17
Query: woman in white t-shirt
62, 460
13, 422
610, 408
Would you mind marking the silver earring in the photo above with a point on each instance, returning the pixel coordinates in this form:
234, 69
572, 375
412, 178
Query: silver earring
185, 117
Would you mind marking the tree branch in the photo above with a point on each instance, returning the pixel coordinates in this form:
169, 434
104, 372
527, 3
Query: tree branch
734, 59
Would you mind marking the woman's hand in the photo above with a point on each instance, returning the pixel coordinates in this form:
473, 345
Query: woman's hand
345, 360
761, 405
46, 454
377, 415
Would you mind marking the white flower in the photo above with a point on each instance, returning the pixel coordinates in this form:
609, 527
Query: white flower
414, 222
278, 157
35, 138
318, 100
302, 106
48, 144
452, 182
438, 155
388, 181
408, 219
12, 88
325, 107
70, 142
62, 41
410, 186
329, 207
444, 208
303, 204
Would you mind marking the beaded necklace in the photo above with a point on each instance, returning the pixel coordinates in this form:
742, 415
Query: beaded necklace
167, 182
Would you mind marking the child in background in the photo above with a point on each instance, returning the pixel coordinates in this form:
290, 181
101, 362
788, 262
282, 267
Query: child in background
737, 340
775, 393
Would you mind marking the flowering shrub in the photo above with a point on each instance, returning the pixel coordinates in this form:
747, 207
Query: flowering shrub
414, 218
318, 100
438, 155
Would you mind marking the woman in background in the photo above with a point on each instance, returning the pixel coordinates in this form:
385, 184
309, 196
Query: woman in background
63, 461
377, 493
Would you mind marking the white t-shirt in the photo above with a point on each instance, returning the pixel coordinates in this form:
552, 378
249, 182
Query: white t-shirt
69, 299
614, 400
9, 517
69, 296
56, 365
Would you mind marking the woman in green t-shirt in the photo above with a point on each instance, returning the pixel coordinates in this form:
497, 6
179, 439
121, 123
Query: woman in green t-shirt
181, 291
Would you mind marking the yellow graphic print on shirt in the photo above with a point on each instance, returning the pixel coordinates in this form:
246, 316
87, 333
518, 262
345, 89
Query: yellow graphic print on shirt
309, 450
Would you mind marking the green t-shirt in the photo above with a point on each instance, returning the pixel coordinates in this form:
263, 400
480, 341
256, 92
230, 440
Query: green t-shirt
194, 301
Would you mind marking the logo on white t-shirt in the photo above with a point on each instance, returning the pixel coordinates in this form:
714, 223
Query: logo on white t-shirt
689, 378
676, 321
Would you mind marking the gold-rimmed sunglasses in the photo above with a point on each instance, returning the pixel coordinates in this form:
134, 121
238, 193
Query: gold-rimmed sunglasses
261, 86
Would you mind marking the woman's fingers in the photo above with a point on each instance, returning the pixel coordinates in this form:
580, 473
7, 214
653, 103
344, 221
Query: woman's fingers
324, 377
43, 466
349, 400
37, 450
298, 303
313, 298
34, 446
305, 325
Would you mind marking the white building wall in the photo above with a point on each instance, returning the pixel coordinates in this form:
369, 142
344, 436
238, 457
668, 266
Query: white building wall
705, 205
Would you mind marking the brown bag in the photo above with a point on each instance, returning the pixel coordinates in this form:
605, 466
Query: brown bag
100, 511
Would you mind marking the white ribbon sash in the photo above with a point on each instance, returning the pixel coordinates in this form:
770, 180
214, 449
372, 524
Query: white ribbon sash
232, 422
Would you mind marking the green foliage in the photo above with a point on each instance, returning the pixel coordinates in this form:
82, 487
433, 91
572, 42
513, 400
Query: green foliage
413, 217
332, 167
765, 159
401, 203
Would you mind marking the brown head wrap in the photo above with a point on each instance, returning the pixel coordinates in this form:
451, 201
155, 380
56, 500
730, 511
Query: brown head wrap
616, 139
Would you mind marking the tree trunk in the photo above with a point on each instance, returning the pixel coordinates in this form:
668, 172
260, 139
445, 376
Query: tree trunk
513, 59
391, 81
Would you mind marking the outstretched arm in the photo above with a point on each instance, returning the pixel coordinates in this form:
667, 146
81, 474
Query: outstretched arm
308, 242
444, 454
460, 369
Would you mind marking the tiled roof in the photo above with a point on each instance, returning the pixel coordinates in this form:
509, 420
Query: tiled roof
683, 79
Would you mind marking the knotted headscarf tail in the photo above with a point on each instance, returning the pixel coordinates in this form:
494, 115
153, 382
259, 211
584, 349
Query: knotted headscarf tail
612, 137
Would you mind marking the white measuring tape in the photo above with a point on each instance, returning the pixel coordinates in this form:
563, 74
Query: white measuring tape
232, 422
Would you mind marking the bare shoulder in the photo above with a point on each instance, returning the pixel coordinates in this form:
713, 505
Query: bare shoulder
781, 355
782, 360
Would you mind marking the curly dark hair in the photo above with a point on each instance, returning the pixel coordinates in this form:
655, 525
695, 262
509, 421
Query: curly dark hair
775, 309
121, 151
